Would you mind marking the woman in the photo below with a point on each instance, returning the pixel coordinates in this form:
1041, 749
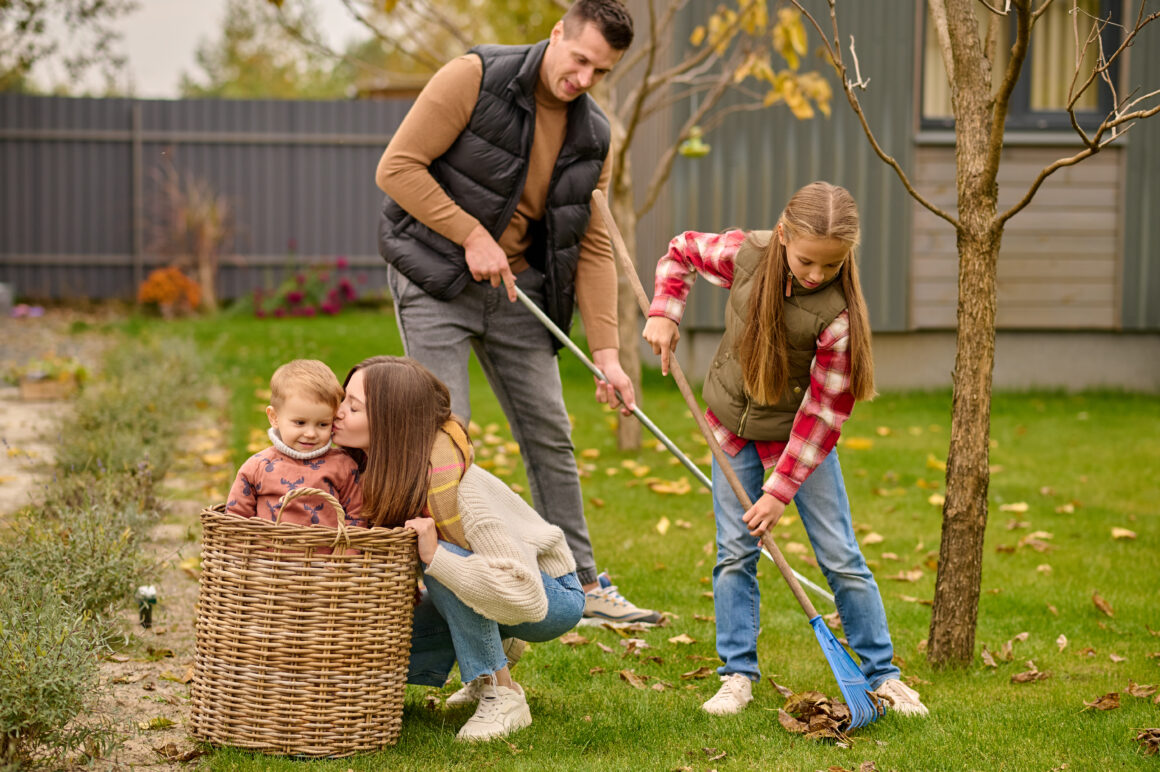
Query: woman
511, 576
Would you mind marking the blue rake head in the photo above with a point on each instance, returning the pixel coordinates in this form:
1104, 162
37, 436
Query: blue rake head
856, 691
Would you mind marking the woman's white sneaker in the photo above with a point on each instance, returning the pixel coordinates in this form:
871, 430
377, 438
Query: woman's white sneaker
735, 693
501, 711
903, 700
470, 692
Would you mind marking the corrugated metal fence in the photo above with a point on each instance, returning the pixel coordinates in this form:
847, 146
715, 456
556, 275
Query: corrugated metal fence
79, 186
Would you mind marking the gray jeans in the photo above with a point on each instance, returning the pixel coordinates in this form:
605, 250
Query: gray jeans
517, 357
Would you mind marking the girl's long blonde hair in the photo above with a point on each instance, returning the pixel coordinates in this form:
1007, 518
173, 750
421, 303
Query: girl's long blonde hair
819, 210
406, 404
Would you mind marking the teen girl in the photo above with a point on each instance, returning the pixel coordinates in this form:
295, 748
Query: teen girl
794, 358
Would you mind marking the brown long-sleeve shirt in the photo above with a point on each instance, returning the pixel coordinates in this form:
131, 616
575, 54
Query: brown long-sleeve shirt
439, 115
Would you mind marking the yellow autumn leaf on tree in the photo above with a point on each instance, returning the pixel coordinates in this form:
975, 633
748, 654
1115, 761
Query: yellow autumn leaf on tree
698, 36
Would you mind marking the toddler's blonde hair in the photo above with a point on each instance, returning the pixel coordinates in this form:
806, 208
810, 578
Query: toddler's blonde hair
308, 378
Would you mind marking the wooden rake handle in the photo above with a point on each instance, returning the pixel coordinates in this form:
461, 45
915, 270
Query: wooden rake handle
621, 251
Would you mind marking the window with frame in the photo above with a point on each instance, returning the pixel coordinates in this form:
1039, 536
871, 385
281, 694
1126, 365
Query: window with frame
1040, 98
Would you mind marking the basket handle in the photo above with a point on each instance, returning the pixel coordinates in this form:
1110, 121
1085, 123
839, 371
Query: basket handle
299, 492
342, 534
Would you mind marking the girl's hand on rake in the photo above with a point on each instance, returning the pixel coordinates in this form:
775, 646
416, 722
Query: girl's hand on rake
662, 334
763, 515
428, 537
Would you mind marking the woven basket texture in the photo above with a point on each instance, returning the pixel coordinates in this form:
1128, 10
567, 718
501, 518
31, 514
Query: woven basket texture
301, 653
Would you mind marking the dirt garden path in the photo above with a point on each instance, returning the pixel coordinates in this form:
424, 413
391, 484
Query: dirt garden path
144, 691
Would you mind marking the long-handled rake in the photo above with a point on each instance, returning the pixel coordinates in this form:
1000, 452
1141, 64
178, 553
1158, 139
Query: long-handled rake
864, 708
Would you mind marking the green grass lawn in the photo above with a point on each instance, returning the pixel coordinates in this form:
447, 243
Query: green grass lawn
1073, 466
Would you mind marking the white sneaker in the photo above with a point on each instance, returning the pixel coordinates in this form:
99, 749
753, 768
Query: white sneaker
903, 700
501, 711
469, 693
605, 603
735, 693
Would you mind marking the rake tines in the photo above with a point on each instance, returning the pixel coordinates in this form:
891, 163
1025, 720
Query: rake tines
856, 691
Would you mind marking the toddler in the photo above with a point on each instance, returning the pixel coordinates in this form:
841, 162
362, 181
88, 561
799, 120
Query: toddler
304, 396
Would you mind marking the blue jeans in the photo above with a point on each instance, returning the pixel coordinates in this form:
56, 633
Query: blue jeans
517, 356
446, 629
825, 512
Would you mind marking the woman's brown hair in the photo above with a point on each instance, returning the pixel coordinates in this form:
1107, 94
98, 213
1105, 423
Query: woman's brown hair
405, 406
819, 210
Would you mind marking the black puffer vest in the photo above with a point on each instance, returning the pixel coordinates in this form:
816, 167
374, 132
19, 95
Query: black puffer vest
807, 312
484, 173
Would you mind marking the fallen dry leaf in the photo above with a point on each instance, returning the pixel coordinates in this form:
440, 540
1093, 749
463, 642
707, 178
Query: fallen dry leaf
682, 638
872, 538
596, 502
1123, 533
1065, 509
890, 556
705, 671
1109, 701
857, 443
1031, 674
160, 722
913, 575
662, 525
633, 645
1143, 691
1061, 641
128, 678
1054, 611
595, 670
1043, 568
934, 463
784, 691
1102, 604
572, 638
883, 431
1015, 506
713, 754
171, 752
1117, 658
634, 680
791, 724
988, 658
604, 647
920, 601
1149, 740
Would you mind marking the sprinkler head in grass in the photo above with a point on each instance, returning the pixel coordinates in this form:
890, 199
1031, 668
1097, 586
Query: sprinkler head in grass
146, 596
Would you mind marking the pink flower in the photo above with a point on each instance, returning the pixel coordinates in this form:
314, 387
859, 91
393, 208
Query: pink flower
301, 279
347, 289
308, 311
294, 297
279, 312
258, 312
341, 262
330, 308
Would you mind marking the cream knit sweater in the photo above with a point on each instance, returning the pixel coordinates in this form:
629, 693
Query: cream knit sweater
510, 545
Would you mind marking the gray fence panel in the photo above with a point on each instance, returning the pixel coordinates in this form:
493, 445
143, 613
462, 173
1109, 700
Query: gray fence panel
299, 177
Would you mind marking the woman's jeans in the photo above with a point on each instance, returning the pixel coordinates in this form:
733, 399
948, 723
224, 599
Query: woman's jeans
446, 629
825, 512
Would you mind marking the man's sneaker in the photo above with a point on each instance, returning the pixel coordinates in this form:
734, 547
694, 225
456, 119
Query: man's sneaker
604, 602
903, 700
735, 693
470, 693
501, 711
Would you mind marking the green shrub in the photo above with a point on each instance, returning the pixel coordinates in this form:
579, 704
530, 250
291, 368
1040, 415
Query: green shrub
132, 412
48, 677
90, 557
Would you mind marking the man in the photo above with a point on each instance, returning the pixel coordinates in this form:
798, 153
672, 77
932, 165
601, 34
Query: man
489, 180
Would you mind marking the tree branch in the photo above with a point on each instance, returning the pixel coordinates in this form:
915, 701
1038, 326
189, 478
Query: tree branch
835, 54
1002, 99
633, 122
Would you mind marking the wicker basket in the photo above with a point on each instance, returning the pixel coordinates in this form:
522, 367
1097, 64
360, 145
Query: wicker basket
302, 653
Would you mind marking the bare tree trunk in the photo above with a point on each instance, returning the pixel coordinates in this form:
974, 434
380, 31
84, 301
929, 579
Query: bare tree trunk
960, 566
206, 278
627, 428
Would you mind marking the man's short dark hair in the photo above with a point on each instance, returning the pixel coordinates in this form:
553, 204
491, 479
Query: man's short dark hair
609, 16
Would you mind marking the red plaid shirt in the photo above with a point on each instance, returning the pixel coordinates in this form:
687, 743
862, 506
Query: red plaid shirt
824, 408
